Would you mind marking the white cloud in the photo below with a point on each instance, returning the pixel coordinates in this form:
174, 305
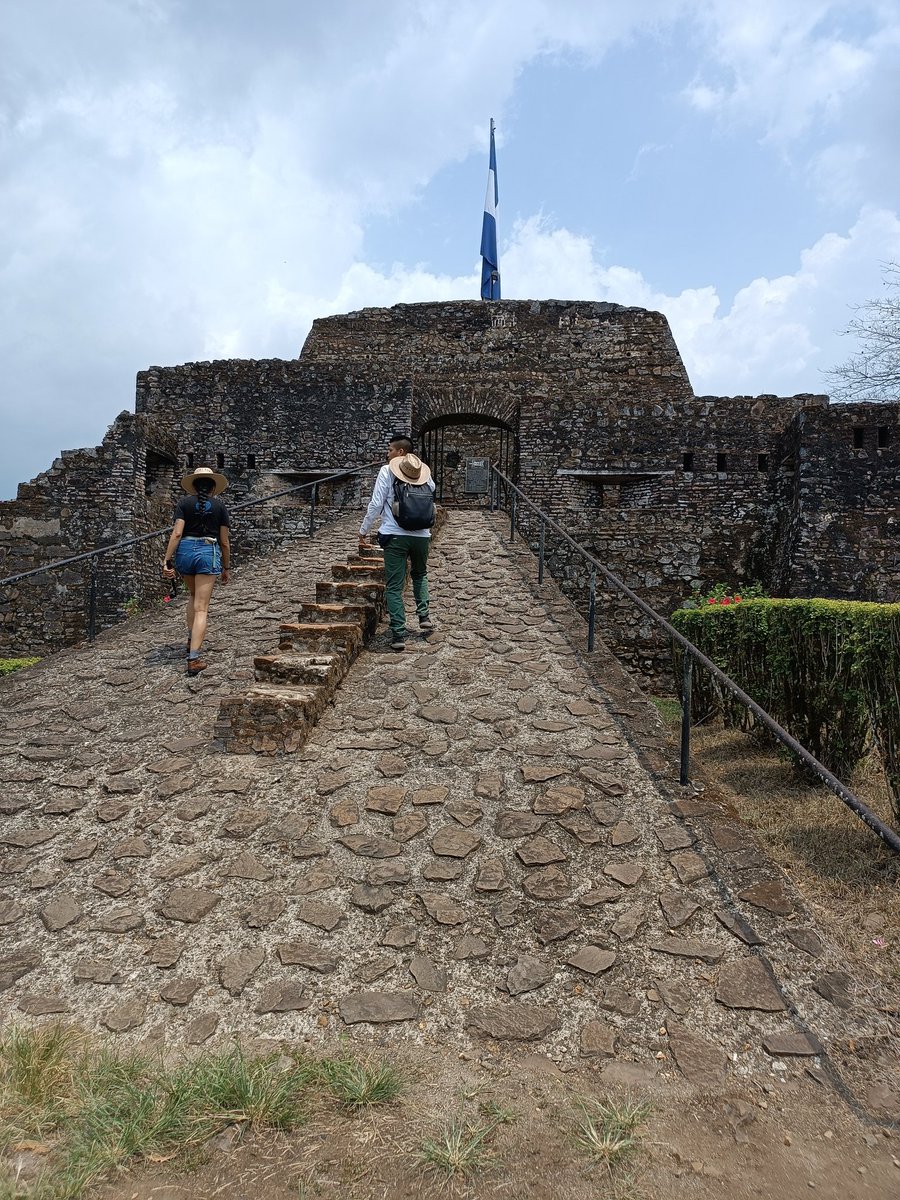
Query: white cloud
786, 65
778, 335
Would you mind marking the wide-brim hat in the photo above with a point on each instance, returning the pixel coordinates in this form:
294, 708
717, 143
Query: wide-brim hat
220, 483
410, 469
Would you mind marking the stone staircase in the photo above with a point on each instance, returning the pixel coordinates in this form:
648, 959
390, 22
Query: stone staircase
293, 687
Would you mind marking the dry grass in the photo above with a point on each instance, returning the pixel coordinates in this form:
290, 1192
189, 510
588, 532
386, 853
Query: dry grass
463, 1145
607, 1130
847, 876
90, 1110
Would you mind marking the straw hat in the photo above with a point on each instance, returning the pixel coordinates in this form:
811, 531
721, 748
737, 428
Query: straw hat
220, 483
410, 469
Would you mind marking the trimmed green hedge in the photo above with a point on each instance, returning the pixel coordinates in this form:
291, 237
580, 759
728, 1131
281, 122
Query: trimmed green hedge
827, 670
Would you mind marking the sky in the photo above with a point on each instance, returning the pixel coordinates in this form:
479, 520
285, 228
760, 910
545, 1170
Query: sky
184, 180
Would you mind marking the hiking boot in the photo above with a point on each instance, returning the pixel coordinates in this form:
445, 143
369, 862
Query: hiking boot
398, 641
426, 624
196, 665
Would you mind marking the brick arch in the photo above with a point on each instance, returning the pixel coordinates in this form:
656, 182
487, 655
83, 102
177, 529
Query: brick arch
432, 406
447, 440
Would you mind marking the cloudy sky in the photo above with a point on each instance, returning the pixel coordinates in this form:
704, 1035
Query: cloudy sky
193, 179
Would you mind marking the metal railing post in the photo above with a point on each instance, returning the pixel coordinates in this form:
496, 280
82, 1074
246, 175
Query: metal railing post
92, 602
541, 538
592, 609
312, 509
512, 516
687, 678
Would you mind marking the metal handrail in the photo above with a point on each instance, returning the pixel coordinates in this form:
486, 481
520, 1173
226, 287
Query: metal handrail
94, 555
692, 654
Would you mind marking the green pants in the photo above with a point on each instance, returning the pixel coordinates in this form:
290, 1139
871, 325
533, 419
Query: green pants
396, 553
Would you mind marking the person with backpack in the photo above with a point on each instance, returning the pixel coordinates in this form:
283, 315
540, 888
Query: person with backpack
199, 550
403, 497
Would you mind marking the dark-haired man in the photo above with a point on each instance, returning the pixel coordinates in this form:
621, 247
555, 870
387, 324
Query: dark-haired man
400, 545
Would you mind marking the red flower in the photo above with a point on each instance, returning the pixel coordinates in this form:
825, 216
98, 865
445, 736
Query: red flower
166, 599
726, 599
712, 600
737, 599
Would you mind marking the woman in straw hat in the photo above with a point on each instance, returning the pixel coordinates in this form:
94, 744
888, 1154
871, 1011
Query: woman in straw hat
400, 542
199, 550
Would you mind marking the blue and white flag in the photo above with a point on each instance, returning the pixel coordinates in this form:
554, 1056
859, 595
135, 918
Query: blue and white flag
490, 262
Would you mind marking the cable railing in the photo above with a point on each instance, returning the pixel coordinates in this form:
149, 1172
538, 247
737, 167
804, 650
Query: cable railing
92, 556
504, 493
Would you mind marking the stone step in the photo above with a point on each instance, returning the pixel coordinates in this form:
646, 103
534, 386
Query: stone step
319, 638
366, 560
347, 571
350, 593
365, 615
270, 719
323, 670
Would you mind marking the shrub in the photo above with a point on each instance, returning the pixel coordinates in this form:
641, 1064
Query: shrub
720, 593
827, 670
7, 665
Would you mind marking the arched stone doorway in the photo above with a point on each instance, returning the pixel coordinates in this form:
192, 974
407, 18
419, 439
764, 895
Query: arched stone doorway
447, 442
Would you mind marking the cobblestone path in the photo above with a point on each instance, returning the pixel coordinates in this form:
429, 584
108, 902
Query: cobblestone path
469, 851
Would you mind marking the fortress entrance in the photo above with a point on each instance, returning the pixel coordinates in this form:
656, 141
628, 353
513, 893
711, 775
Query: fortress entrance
448, 441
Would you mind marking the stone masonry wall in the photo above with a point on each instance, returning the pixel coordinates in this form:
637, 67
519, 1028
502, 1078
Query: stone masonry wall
847, 536
88, 498
268, 425
272, 424
601, 429
670, 490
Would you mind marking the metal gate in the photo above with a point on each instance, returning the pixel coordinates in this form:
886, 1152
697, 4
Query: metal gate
504, 454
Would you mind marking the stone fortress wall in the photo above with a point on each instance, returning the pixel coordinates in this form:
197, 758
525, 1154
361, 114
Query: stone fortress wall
587, 405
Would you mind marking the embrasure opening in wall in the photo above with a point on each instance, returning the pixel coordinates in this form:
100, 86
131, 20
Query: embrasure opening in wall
159, 475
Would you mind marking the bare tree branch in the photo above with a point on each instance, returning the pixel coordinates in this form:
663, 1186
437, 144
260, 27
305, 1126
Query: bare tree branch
873, 372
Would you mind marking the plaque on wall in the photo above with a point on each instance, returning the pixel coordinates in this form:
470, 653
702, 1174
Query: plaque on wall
477, 476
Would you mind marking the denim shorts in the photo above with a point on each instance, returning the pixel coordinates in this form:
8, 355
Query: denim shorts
196, 556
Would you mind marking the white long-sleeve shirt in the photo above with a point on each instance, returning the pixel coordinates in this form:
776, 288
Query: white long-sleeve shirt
380, 506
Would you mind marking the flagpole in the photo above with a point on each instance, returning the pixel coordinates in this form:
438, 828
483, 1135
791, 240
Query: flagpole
490, 261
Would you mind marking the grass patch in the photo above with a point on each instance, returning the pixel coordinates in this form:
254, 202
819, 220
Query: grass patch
460, 1148
356, 1084
8, 665
497, 1113
607, 1130
669, 710
463, 1147
93, 1110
